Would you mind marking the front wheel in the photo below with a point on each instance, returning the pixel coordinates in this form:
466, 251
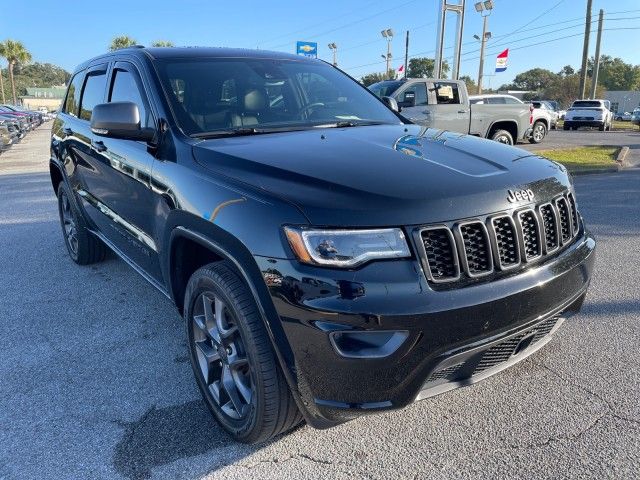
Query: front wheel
232, 357
502, 136
539, 132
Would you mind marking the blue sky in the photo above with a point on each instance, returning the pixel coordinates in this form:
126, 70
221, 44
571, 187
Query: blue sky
73, 31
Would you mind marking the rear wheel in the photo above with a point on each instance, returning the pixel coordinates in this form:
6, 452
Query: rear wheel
83, 247
602, 127
565, 127
502, 136
539, 132
232, 357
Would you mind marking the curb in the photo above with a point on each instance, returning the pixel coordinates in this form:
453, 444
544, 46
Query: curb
622, 156
595, 170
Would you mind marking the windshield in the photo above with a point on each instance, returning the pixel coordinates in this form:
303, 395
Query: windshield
247, 94
587, 104
385, 89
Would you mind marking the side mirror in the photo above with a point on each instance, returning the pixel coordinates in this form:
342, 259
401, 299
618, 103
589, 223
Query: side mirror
391, 103
119, 120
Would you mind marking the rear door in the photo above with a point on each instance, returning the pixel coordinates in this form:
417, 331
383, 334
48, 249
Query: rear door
448, 107
121, 176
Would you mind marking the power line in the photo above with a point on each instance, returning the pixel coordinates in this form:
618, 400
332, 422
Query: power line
351, 23
378, 39
531, 21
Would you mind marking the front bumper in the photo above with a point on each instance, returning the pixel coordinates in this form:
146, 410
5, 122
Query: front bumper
444, 328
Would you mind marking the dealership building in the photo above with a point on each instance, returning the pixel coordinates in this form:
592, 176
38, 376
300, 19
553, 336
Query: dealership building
48, 97
623, 100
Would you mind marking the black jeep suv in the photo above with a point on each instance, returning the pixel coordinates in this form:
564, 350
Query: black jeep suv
330, 258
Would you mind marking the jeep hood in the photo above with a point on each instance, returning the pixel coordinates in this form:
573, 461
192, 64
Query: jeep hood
383, 175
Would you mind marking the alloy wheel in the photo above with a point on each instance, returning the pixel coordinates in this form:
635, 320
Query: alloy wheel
69, 224
221, 356
538, 133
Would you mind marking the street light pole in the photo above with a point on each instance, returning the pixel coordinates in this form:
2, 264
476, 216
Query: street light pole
486, 6
334, 48
388, 34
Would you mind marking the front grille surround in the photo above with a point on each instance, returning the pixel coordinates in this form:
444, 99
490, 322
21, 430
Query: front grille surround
485, 246
462, 231
530, 234
550, 227
496, 224
424, 255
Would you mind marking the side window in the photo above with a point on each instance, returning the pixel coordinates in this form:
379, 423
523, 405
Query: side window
125, 88
447, 93
495, 100
92, 94
72, 102
417, 91
512, 101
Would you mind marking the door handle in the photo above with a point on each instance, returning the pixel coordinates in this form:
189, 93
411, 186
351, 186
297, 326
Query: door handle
427, 112
463, 111
67, 131
98, 146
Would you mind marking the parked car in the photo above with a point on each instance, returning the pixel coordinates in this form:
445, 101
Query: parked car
330, 259
635, 116
35, 117
550, 109
543, 120
623, 117
28, 119
6, 140
588, 113
14, 124
445, 104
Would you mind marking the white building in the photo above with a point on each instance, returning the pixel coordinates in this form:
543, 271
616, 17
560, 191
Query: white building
623, 100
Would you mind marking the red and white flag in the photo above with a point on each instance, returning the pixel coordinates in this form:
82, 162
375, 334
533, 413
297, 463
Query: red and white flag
501, 61
400, 70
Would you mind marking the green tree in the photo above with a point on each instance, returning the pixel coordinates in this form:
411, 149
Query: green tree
566, 71
535, 79
615, 74
472, 87
15, 53
162, 43
371, 78
423, 67
122, 41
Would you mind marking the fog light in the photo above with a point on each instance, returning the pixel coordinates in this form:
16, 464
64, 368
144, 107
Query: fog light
367, 344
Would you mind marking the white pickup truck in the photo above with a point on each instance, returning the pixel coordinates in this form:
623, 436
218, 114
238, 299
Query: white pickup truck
445, 104
589, 113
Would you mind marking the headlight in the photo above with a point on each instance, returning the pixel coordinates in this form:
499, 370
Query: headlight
346, 248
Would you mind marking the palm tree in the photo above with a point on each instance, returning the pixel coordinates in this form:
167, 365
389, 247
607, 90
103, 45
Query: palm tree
15, 53
123, 41
2, 86
162, 43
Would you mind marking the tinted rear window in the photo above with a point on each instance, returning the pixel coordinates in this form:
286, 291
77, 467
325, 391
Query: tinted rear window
587, 104
73, 95
92, 94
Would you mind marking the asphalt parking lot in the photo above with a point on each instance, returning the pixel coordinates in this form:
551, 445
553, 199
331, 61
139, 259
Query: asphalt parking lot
561, 139
95, 381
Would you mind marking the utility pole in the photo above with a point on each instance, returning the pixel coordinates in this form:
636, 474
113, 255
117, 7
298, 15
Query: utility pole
480, 8
585, 51
483, 42
596, 66
406, 55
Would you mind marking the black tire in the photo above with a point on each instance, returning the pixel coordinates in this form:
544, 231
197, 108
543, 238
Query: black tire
270, 409
565, 127
538, 133
602, 127
619, 119
83, 247
502, 136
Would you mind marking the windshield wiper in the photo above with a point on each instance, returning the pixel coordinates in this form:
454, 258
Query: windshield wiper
232, 132
349, 123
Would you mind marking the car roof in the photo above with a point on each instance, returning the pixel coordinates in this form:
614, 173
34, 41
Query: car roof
493, 95
157, 53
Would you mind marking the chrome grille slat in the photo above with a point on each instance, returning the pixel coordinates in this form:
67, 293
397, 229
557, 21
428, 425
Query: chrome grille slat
550, 229
565, 219
463, 251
